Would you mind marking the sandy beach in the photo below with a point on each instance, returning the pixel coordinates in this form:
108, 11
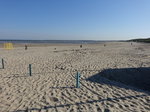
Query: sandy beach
114, 78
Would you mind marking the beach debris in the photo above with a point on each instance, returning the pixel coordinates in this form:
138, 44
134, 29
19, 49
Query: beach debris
60, 67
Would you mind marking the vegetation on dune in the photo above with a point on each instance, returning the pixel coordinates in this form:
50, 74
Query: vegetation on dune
140, 40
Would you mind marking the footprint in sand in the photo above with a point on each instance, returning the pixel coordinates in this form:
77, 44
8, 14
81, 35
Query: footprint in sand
54, 99
106, 110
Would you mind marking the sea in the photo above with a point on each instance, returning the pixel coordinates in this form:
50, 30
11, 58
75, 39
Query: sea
53, 41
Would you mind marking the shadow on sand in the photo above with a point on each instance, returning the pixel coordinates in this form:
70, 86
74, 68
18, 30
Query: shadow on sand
62, 87
135, 77
70, 50
16, 76
81, 103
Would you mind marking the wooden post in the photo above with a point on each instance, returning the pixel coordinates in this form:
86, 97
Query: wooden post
30, 70
78, 80
2, 63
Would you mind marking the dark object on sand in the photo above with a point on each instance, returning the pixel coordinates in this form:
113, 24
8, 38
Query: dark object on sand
30, 70
26, 47
27, 110
2, 63
104, 45
81, 46
78, 80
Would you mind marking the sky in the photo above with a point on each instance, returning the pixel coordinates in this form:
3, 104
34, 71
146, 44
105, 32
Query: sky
74, 19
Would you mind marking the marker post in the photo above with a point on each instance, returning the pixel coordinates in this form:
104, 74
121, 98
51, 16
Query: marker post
30, 70
78, 80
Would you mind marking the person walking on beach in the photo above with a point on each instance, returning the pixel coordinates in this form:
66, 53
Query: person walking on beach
81, 46
26, 47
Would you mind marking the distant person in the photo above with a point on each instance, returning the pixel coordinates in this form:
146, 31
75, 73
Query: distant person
131, 43
81, 46
26, 47
104, 45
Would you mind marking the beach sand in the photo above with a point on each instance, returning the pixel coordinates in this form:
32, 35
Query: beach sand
52, 86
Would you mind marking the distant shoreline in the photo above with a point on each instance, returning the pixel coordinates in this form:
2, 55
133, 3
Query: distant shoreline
56, 41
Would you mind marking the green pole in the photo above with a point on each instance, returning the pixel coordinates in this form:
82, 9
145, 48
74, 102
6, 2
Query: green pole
78, 80
30, 70
2, 63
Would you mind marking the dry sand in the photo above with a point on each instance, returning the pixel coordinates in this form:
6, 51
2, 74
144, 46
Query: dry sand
51, 88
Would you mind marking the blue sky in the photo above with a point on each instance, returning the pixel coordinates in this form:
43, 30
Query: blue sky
74, 19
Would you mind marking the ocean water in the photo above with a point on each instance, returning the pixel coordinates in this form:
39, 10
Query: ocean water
52, 41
